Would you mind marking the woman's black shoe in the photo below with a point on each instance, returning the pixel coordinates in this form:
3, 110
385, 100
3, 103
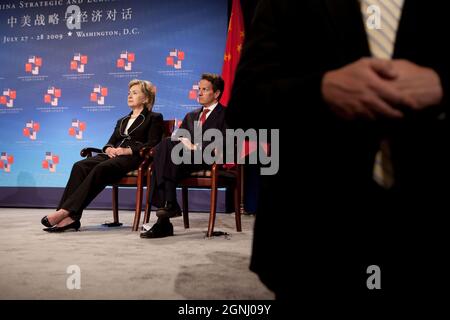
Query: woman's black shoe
74, 225
45, 222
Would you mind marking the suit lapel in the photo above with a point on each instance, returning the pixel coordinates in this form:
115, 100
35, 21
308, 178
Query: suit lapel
210, 121
191, 120
348, 24
139, 120
197, 114
407, 29
134, 124
346, 18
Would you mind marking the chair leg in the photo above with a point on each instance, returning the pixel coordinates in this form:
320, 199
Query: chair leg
148, 206
240, 180
237, 202
212, 210
115, 203
184, 197
137, 214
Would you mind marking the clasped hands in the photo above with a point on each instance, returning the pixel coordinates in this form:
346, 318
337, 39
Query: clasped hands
372, 88
113, 152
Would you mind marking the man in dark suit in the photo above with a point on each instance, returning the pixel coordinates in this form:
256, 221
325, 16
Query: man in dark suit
334, 102
166, 172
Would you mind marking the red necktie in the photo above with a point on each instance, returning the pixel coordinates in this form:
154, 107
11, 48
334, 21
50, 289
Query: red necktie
203, 117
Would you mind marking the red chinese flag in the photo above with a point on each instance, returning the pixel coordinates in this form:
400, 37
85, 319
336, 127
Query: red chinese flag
58, 93
169, 61
130, 57
94, 96
2, 165
71, 131
44, 164
12, 94
26, 132
82, 126
47, 98
28, 67
235, 39
84, 59
180, 55
10, 159
36, 126
104, 91
120, 63
73, 65
2, 100
55, 159
38, 62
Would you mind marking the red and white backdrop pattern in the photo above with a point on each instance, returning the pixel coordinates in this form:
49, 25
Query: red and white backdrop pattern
65, 66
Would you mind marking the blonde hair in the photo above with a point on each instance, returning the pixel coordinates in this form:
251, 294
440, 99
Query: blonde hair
148, 89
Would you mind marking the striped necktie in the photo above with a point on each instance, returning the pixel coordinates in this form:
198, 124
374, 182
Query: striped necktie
381, 22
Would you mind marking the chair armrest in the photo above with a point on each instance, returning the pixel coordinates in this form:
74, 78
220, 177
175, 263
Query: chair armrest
87, 152
145, 152
152, 152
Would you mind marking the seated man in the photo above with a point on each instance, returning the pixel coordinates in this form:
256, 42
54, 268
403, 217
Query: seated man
166, 171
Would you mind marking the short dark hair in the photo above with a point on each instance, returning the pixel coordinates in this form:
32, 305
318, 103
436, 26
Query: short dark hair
216, 81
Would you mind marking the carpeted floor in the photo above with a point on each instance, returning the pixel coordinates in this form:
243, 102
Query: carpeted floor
114, 263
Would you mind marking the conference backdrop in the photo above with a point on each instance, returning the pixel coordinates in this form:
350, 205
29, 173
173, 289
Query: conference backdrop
65, 67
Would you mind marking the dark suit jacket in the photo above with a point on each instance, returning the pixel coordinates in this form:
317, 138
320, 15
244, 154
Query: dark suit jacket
330, 34
338, 223
164, 169
216, 120
146, 130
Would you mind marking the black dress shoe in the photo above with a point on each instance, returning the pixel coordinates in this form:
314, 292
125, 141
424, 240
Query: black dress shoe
45, 222
170, 210
74, 225
159, 230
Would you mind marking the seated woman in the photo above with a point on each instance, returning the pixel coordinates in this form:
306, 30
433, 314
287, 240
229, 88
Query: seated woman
140, 128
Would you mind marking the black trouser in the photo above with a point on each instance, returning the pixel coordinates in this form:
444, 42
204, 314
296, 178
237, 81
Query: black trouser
166, 174
90, 176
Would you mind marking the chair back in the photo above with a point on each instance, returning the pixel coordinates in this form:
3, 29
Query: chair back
169, 125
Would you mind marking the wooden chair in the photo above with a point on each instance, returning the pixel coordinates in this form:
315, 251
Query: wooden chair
135, 178
217, 177
214, 178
